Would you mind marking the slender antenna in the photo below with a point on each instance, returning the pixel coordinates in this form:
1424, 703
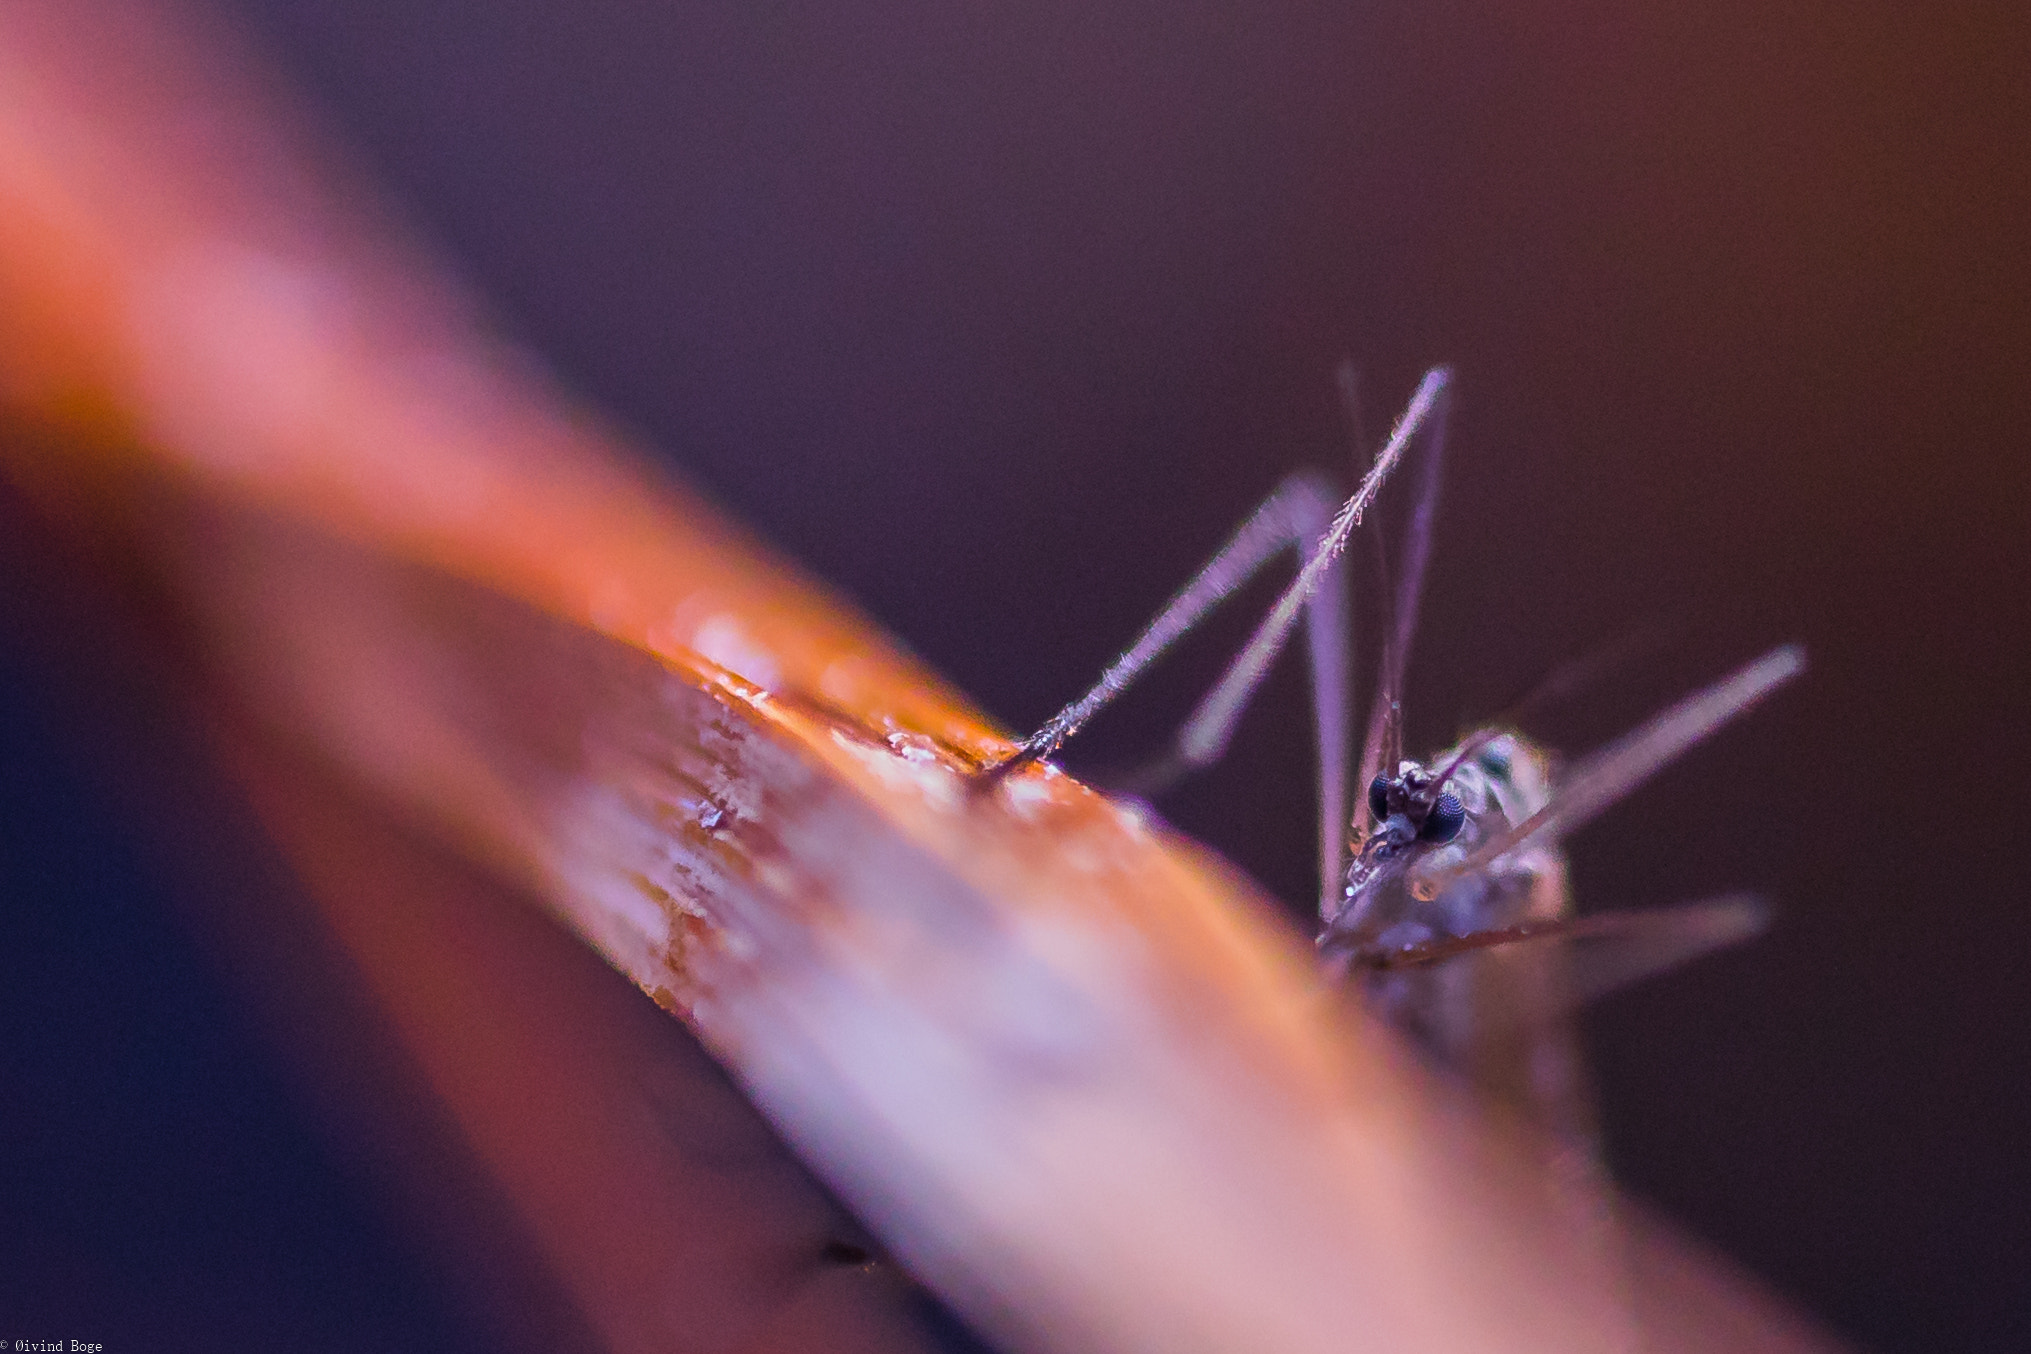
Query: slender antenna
1575, 674
1382, 749
1381, 743
1471, 747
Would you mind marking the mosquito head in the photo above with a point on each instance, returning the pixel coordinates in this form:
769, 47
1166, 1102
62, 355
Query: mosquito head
1415, 812
1415, 805
1433, 811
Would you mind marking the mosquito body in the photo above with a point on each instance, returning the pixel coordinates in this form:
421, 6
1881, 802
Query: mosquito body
1456, 910
1452, 911
1474, 1011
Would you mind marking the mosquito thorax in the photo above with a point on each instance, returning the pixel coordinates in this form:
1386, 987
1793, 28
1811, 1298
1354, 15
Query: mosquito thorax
1507, 775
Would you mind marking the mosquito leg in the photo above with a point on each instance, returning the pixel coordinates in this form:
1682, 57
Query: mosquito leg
1604, 777
1204, 737
1438, 949
1295, 514
1259, 538
1622, 948
1605, 950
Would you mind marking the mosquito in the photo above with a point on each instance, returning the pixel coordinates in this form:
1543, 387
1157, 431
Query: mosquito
1450, 905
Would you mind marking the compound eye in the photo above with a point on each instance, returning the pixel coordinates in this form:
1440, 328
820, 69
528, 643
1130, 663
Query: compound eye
1444, 822
1378, 797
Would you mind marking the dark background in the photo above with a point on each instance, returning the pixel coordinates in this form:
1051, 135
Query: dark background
998, 317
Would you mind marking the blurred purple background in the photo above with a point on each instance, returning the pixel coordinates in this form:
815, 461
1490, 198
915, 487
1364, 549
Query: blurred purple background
999, 317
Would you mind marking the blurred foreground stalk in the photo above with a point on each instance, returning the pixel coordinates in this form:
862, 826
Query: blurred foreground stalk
458, 647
